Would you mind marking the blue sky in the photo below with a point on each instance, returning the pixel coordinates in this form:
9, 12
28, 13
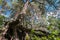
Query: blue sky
7, 13
51, 7
25, 0
47, 6
9, 2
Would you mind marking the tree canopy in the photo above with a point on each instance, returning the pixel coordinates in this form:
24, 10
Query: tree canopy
30, 19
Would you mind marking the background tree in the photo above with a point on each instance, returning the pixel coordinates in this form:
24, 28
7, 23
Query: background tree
29, 20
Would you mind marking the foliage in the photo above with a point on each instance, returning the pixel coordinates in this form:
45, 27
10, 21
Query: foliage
30, 16
1, 20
